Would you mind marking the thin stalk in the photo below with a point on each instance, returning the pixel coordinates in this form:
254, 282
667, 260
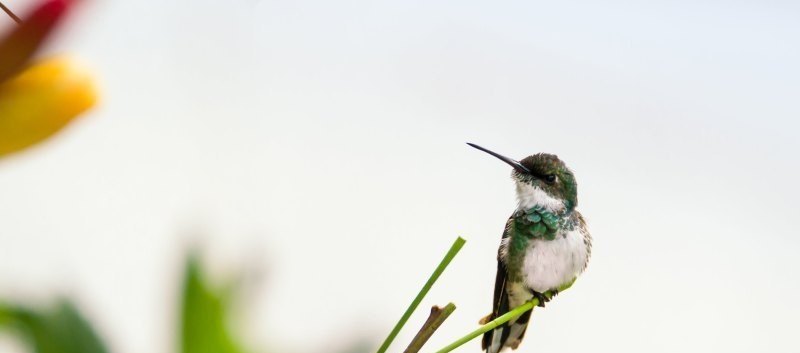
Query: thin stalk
454, 249
436, 318
10, 13
491, 325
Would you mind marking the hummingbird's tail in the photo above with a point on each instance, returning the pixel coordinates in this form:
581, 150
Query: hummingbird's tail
509, 334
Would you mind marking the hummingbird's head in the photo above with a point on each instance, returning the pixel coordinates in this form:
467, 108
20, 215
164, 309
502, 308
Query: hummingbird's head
542, 180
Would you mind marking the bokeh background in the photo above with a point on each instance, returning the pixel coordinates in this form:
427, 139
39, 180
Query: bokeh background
319, 146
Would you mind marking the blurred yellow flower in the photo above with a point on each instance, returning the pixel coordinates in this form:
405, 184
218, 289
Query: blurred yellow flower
39, 101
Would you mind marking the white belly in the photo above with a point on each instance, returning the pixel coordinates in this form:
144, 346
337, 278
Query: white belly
549, 264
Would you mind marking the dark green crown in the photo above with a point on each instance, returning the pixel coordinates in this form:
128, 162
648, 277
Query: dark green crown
552, 175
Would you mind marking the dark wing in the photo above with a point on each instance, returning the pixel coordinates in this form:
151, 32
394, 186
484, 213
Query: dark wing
500, 307
500, 302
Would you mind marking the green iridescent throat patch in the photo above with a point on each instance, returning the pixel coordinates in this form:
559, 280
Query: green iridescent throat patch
538, 223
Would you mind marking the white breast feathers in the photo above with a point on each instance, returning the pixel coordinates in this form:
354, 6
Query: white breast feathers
549, 264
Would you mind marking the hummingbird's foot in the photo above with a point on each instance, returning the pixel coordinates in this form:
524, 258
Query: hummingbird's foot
541, 297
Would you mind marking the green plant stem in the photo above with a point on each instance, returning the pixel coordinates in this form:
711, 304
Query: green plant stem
436, 318
454, 249
491, 325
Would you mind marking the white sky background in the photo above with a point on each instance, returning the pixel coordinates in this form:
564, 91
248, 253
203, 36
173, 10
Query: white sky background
322, 143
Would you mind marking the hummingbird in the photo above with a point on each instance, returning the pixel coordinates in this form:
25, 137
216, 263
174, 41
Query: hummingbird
545, 244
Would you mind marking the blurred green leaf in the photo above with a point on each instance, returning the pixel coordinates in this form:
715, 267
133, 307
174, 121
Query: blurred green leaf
60, 329
204, 317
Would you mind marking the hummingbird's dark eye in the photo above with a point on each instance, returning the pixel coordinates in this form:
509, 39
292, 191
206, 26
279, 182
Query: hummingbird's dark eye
550, 178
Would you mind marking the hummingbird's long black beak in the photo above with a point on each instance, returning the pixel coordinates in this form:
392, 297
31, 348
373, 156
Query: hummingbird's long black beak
519, 167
